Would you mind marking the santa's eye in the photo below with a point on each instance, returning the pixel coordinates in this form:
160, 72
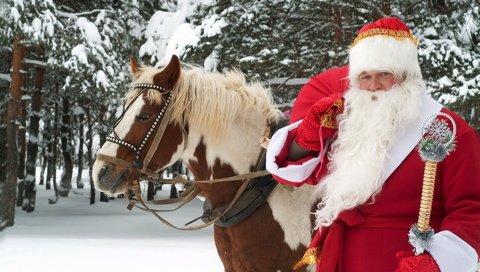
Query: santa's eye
364, 77
143, 116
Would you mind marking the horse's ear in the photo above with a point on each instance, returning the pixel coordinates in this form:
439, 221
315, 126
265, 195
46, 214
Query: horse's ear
168, 77
134, 66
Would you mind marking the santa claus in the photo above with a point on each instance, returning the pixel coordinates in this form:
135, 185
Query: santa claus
353, 135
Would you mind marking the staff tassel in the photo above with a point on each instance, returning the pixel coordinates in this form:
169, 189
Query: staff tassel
436, 144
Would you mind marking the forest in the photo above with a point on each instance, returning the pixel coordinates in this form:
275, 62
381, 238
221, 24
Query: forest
64, 66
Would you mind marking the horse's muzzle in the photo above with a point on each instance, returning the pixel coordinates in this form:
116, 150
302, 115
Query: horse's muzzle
108, 180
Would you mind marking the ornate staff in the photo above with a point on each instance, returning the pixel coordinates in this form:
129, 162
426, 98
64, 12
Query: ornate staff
436, 144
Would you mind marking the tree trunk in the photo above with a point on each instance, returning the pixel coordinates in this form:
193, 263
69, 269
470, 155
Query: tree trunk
176, 170
386, 7
52, 146
44, 166
49, 131
150, 190
52, 162
80, 184
90, 153
22, 142
440, 6
32, 149
337, 22
66, 181
8, 187
173, 191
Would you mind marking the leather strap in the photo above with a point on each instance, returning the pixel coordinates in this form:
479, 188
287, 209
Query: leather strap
182, 200
158, 137
115, 161
136, 189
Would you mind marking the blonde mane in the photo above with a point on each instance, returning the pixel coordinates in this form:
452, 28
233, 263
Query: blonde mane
215, 101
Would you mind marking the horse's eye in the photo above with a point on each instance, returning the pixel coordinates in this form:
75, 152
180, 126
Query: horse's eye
143, 116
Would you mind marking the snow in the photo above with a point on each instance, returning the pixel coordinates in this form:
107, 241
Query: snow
430, 32
49, 21
29, 178
211, 62
89, 30
19, 3
37, 25
14, 14
248, 59
212, 26
34, 62
5, 77
102, 80
470, 27
78, 111
167, 32
445, 82
159, 30
447, 98
75, 236
80, 51
287, 81
26, 97
33, 139
184, 36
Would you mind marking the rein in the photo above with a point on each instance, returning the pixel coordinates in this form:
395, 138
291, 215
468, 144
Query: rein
135, 188
137, 200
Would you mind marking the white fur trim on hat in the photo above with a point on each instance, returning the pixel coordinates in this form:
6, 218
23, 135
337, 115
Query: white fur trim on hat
384, 53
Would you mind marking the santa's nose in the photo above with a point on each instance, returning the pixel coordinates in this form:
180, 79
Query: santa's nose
375, 85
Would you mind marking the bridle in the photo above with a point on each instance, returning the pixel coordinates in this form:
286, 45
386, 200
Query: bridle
161, 121
137, 163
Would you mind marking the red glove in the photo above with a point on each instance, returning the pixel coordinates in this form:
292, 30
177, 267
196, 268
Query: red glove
320, 122
408, 262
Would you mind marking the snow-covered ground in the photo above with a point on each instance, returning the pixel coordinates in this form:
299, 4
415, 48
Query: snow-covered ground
73, 235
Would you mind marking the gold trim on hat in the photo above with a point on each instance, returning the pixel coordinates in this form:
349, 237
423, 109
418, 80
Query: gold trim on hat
397, 34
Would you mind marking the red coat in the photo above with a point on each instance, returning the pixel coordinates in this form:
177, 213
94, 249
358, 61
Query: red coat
367, 238
379, 230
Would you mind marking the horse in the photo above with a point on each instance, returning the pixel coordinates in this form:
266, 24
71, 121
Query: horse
214, 123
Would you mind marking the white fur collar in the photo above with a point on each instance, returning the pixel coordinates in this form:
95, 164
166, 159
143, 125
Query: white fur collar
409, 138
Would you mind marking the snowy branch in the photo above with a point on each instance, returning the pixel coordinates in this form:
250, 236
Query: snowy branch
75, 15
35, 63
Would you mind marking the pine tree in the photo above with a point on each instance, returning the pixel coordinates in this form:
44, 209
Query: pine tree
449, 50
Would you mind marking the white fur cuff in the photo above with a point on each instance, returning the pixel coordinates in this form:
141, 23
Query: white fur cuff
292, 173
452, 254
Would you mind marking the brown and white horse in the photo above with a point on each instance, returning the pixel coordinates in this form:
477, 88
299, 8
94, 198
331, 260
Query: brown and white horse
214, 123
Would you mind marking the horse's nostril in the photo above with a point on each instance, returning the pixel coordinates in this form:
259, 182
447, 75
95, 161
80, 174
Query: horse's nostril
103, 171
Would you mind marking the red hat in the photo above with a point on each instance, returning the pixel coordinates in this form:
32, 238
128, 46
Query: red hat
384, 45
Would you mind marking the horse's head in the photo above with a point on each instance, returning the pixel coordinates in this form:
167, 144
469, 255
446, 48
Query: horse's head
131, 148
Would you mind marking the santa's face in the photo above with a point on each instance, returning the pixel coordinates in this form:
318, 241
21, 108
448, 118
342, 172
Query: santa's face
374, 80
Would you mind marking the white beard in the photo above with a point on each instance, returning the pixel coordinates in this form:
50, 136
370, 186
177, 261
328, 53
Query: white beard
367, 130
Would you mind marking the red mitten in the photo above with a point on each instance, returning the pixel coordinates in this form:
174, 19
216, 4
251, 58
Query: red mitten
408, 262
320, 122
